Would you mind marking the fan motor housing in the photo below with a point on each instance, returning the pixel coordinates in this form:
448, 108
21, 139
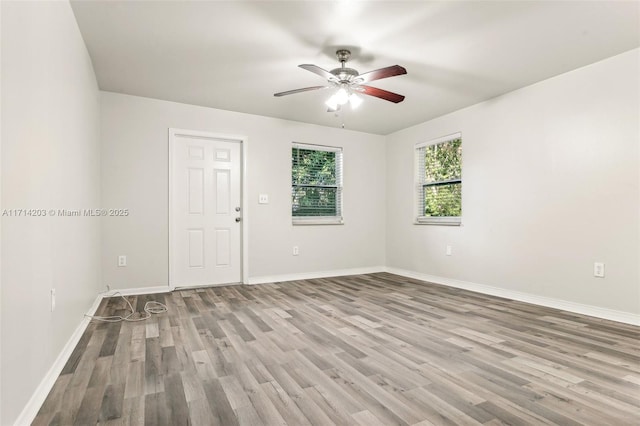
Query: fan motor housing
344, 74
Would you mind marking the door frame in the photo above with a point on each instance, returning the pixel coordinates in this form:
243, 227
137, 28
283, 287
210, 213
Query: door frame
244, 196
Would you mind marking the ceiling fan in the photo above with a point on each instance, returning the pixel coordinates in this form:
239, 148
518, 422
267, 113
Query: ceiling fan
350, 83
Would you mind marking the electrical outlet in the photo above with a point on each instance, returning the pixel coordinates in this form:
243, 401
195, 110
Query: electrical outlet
448, 251
296, 251
53, 299
122, 260
598, 269
263, 199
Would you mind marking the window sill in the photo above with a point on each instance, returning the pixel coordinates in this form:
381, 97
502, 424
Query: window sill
444, 221
305, 221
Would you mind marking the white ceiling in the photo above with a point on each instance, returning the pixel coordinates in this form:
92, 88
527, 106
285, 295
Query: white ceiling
234, 55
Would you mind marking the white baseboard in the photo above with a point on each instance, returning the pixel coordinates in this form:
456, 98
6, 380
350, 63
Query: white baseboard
137, 291
30, 410
594, 311
313, 275
198, 286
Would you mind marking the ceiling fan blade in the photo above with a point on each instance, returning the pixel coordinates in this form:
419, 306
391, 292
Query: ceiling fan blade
381, 73
304, 89
320, 71
382, 94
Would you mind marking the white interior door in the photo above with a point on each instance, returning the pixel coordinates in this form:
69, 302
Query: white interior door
205, 220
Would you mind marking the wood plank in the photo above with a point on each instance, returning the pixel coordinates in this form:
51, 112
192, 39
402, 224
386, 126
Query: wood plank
221, 409
369, 349
178, 410
112, 401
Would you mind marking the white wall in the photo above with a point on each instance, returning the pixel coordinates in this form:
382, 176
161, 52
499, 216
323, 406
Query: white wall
551, 185
0, 211
135, 176
50, 159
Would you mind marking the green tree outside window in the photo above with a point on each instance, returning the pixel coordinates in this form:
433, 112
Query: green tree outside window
315, 182
441, 179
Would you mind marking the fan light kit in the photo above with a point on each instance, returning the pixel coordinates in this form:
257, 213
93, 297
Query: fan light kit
341, 97
349, 83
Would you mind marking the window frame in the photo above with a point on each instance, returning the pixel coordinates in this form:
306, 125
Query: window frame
338, 219
420, 185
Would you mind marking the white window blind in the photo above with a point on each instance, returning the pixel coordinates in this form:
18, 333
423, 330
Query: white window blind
439, 181
316, 184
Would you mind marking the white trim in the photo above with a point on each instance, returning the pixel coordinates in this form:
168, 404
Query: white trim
314, 275
564, 305
317, 220
313, 147
137, 291
244, 155
244, 188
172, 136
439, 220
38, 397
195, 287
441, 139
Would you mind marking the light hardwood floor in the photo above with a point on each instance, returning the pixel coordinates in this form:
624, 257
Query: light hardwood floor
366, 350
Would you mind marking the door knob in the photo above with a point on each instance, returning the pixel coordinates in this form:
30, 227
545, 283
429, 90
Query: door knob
238, 219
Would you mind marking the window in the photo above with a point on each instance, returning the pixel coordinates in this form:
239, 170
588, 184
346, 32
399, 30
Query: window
316, 184
439, 181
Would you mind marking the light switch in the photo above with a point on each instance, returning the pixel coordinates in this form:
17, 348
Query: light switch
263, 199
598, 270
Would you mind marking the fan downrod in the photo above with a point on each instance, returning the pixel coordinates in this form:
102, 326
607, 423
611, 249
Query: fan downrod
344, 74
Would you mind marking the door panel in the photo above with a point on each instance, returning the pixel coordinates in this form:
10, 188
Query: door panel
196, 153
223, 191
223, 247
196, 191
206, 193
196, 248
